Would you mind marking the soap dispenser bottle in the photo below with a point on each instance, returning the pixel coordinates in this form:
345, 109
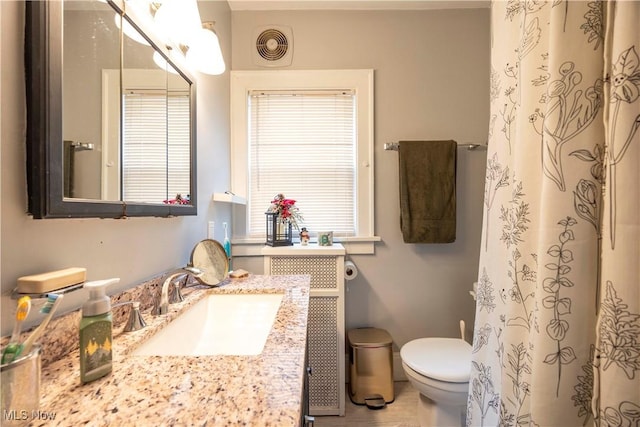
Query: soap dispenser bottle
96, 332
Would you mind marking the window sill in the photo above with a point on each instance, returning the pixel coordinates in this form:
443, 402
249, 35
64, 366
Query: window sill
246, 247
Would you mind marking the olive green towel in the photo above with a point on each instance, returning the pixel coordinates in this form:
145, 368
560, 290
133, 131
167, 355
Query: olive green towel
428, 191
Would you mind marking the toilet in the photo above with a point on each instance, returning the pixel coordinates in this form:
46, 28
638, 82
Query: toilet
439, 368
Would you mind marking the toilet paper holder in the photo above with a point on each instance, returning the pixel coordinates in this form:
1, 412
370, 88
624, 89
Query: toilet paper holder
350, 270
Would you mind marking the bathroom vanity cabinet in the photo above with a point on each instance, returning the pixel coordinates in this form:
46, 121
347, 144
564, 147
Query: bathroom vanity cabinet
264, 389
326, 327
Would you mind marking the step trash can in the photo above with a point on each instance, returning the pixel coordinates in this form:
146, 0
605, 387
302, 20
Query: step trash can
370, 367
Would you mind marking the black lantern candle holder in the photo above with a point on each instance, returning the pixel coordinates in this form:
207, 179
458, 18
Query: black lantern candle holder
278, 231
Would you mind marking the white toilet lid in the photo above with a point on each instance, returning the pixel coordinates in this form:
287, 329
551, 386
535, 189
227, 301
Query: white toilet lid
443, 359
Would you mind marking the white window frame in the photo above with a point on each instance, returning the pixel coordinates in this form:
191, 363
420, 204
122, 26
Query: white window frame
361, 81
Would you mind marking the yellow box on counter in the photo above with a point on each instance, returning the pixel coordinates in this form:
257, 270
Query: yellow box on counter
51, 281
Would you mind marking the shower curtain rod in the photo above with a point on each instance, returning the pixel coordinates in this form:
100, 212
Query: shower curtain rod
393, 146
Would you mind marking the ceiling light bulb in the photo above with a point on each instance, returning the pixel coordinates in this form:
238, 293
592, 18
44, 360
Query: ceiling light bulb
178, 21
204, 53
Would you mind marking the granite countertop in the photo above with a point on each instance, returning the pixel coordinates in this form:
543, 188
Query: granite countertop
262, 390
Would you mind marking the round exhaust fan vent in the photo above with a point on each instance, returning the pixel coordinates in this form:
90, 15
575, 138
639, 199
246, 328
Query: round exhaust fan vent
273, 46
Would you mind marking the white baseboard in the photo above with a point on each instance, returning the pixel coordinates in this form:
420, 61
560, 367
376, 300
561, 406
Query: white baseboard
398, 371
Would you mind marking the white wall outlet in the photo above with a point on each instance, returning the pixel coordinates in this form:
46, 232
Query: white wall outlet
211, 229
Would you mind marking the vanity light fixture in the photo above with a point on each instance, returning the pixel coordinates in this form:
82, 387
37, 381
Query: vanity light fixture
204, 53
177, 23
141, 9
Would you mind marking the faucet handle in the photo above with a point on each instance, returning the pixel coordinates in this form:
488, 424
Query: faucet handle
135, 321
176, 295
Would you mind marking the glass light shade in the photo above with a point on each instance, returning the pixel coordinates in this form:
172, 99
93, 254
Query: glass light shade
141, 8
162, 63
129, 30
178, 20
204, 53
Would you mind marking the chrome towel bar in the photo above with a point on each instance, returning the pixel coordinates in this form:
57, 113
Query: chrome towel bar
393, 146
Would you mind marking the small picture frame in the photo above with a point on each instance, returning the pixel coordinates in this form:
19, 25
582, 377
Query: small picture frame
325, 238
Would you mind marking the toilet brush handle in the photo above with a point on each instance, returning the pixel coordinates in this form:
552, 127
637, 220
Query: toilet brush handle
462, 330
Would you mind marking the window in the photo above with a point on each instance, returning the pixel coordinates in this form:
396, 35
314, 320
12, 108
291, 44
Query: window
156, 146
155, 130
302, 144
308, 135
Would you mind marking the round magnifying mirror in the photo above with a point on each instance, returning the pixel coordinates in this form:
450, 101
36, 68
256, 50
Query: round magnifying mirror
209, 257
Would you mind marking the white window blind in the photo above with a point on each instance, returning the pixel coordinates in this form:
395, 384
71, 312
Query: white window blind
303, 145
154, 170
179, 145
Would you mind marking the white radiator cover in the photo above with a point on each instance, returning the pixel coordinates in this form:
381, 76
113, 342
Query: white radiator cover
326, 330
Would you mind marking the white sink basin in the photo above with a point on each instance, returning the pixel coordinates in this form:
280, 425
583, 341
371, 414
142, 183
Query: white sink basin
228, 324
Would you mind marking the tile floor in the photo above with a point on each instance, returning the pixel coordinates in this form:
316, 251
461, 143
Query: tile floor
400, 413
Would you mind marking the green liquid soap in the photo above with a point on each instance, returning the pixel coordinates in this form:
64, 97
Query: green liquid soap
95, 347
96, 328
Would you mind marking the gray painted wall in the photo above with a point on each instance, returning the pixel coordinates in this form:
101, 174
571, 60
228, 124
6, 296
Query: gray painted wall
133, 249
431, 82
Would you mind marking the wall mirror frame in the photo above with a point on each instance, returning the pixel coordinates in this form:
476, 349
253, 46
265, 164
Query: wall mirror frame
44, 90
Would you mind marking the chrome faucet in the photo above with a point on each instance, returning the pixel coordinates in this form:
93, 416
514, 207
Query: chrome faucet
163, 302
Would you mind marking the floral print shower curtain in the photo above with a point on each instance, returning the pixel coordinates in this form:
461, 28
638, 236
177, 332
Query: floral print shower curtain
557, 329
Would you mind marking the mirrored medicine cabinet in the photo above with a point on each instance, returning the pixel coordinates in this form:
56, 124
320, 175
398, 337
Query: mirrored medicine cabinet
110, 132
